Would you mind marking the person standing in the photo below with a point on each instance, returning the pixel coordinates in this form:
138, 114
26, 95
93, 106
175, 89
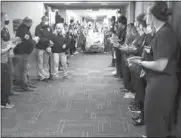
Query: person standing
6, 84
122, 25
22, 52
161, 73
6, 38
44, 32
113, 31
59, 50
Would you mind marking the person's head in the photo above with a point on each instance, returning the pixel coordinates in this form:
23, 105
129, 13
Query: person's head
28, 22
45, 21
141, 23
71, 21
157, 12
122, 22
59, 28
131, 29
57, 13
113, 19
4, 19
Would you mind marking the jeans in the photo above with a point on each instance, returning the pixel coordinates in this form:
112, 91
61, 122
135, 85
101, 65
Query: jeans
5, 83
21, 69
43, 66
56, 58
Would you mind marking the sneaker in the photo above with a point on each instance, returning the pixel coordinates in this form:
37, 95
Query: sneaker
114, 72
28, 89
134, 108
44, 80
129, 95
15, 93
31, 86
143, 136
76, 52
9, 106
65, 77
2, 106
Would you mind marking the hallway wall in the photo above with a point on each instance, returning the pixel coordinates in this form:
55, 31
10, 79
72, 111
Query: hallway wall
176, 18
22, 9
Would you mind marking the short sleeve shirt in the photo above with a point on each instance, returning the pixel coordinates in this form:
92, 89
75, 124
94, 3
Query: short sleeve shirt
165, 45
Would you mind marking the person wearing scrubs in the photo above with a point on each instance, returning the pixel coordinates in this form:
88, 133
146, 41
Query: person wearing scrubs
161, 73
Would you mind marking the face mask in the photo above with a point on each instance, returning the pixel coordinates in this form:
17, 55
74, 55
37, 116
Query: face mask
46, 23
6, 22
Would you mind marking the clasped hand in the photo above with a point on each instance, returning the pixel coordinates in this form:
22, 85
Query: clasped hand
134, 60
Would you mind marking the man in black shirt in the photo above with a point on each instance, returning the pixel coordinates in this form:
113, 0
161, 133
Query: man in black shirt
22, 52
44, 32
122, 23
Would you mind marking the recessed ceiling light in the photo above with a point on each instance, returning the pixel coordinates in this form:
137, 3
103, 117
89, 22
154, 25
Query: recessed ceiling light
67, 3
104, 3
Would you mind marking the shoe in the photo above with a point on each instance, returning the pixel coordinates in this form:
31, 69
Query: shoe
31, 86
134, 108
138, 122
114, 72
116, 76
44, 80
110, 65
2, 106
65, 77
143, 136
7, 106
129, 95
15, 93
135, 117
28, 89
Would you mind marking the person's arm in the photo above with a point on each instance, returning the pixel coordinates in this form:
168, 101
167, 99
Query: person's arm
157, 65
5, 50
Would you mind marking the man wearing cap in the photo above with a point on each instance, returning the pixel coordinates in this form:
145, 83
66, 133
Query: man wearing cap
44, 32
22, 52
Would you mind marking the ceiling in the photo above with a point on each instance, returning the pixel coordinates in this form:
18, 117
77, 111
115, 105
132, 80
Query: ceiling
86, 5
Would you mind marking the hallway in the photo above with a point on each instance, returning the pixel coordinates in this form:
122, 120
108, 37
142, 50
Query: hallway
88, 104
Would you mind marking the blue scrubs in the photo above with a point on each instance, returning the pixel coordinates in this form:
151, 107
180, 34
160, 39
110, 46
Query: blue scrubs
161, 87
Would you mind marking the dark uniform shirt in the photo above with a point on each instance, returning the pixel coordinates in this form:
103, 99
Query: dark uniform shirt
59, 41
122, 36
5, 36
165, 45
45, 35
27, 45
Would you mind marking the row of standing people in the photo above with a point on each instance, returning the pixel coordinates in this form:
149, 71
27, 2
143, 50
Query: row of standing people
51, 46
146, 56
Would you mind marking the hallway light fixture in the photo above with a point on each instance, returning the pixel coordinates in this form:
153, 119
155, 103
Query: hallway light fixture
104, 4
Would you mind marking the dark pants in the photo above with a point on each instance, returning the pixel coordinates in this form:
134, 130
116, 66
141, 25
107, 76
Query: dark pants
118, 62
5, 83
72, 47
113, 62
159, 105
127, 78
